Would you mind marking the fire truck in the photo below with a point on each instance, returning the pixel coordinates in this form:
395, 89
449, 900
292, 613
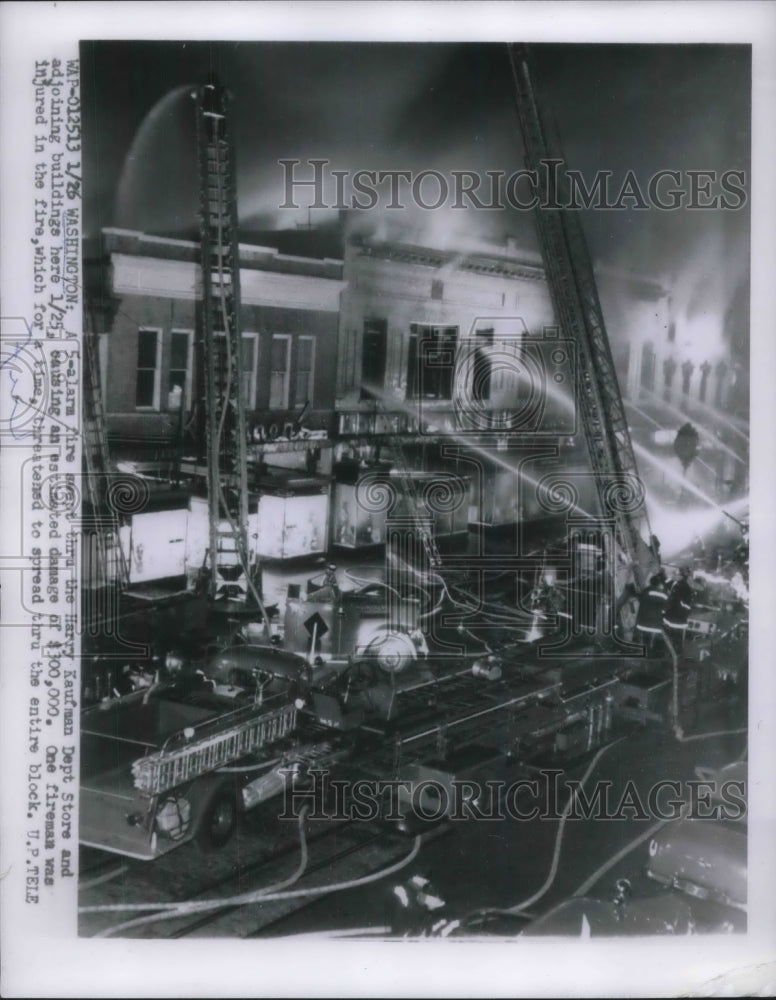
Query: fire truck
155, 764
180, 760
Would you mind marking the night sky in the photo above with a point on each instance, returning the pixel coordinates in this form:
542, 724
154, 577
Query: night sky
431, 106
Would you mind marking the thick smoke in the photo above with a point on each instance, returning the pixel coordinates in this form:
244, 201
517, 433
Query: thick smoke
440, 107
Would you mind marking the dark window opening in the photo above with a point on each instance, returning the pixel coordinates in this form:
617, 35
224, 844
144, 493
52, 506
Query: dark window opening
669, 369
280, 356
721, 372
145, 386
705, 370
305, 364
431, 361
687, 369
648, 367
374, 353
482, 369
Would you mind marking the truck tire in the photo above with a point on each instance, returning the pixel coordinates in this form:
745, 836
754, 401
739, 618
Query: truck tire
218, 821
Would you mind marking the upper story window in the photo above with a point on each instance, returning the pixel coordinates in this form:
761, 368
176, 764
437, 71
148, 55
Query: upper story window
179, 375
687, 369
147, 382
305, 371
374, 353
704, 381
648, 366
431, 361
248, 361
669, 370
250, 354
485, 375
280, 364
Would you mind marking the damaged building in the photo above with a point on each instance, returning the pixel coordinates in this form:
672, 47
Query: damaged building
394, 355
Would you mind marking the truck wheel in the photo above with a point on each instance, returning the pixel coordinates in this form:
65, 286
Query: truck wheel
218, 822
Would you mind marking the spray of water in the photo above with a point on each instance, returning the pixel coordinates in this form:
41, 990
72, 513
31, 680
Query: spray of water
655, 423
671, 473
465, 441
154, 153
683, 415
673, 527
643, 413
721, 419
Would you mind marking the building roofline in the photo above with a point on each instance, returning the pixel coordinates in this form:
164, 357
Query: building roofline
483, 262
249, 248
502, 265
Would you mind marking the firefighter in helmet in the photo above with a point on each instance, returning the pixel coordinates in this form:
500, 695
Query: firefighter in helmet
677, 608
649, 619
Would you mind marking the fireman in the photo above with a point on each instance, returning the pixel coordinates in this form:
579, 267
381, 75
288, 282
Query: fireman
649, 619
677, 608
547, 599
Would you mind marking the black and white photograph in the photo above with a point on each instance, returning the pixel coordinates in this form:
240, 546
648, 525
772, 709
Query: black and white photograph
405, 573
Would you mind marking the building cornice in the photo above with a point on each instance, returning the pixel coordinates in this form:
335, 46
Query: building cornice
174, 279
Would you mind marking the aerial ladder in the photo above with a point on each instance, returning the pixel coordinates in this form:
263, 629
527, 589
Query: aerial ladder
228, 560
107, 570
578, 310
190, 754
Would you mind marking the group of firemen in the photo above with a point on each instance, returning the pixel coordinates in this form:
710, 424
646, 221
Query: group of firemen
664, 610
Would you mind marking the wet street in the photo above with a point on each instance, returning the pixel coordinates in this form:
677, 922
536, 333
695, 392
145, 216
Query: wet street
500, 863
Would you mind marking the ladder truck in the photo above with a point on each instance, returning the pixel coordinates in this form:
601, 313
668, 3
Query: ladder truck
578, 310
152, 775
